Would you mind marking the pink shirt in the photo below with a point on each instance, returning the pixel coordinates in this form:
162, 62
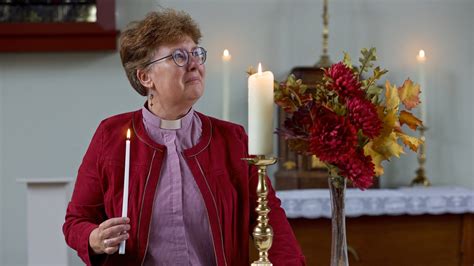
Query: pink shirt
180, 229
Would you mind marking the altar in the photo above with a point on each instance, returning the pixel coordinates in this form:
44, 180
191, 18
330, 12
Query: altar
405, 226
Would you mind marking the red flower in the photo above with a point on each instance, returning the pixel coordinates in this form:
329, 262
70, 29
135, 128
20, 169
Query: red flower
363, 115
343, 81
332, 136
358, 168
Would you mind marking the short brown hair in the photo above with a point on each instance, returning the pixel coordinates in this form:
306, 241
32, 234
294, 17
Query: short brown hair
140, 39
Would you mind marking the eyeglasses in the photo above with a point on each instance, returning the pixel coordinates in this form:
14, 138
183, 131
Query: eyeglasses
181, 57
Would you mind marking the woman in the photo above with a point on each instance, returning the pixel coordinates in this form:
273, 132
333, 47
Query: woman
191, 197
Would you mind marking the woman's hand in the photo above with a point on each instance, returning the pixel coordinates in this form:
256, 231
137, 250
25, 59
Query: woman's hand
107, 237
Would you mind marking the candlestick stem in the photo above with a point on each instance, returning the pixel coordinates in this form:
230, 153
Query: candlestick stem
263, 232
420, 178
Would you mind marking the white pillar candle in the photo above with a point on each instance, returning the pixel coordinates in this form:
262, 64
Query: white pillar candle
260, 116
226, 84
421, 58
125, 186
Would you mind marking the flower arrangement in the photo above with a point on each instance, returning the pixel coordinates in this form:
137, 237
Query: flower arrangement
349, 122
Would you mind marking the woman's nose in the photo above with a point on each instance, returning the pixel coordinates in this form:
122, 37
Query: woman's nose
193, 63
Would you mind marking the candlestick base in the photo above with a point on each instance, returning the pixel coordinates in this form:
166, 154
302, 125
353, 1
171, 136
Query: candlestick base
261, 263
420, 178
263, 232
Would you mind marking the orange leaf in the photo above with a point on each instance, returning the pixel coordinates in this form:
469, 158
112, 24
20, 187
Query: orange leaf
410, 141
287, 105
409, 94
410, 120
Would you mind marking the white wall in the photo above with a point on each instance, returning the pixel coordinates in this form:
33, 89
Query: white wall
52, 102
1, 162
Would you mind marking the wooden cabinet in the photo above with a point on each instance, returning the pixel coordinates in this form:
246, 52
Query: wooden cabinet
431, 240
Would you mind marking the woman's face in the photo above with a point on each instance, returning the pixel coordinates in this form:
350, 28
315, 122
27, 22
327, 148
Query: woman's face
174, 86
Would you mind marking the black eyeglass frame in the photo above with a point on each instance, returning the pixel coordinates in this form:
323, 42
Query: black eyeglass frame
184, 52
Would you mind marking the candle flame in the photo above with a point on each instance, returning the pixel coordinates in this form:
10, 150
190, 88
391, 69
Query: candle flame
128, 133
226, 56
259, 68
226, 53
421, 53
421, 56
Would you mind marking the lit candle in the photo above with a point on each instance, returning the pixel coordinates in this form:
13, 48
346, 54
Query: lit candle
125, 186
421, 58
260, 116
226, 84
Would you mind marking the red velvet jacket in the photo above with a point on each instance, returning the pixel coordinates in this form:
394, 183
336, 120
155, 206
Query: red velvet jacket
226, 183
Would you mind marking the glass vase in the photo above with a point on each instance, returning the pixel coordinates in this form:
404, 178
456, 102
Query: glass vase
337, 189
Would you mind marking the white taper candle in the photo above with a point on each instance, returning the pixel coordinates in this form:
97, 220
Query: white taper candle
125, 186
226, 84
421, 58
260, 116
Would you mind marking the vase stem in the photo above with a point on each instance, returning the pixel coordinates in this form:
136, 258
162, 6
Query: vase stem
337, 189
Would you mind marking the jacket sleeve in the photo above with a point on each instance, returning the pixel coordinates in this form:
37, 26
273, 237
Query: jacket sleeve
85, 211
285, 250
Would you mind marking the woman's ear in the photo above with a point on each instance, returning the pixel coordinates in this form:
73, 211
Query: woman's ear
144, 78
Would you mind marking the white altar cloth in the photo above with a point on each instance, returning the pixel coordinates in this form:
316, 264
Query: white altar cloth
315, 203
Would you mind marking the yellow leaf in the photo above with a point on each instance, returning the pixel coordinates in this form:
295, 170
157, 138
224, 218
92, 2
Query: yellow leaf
410, 141
409, 94
409, 119
388, 146
392, 100
377, 158
389, 121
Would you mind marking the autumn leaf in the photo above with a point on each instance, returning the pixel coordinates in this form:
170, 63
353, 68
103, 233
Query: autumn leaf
410, 120
287, 104
389, 120
377, 158
392, 100
412, 142
388, 146
347, 60
409, 94
291, 94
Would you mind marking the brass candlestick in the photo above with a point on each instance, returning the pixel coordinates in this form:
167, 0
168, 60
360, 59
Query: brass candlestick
263, 232
421, 178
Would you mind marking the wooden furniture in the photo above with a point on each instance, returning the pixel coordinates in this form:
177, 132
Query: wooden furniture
412, 226
57, 33
431, 240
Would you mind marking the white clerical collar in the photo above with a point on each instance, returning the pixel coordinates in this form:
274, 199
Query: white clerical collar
157, 122
170, 124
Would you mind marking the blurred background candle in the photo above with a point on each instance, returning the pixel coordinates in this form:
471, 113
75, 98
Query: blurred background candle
226, 84
260, 116
421, 58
